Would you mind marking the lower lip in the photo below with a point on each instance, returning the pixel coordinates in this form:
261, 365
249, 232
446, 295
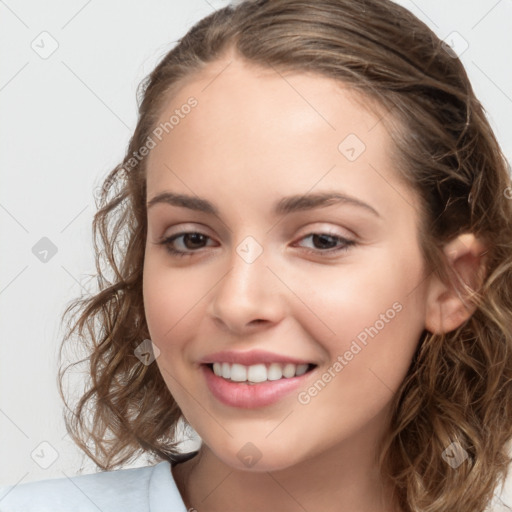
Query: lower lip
249, 396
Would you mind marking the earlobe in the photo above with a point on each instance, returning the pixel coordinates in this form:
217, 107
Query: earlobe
447, 304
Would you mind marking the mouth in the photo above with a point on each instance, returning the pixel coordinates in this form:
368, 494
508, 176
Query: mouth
258, 373
260, 386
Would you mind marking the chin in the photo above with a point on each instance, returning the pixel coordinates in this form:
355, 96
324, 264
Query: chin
252, 460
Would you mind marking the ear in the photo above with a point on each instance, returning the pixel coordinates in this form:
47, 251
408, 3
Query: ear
447, 307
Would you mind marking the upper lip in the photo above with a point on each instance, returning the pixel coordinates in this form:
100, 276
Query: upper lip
250, 357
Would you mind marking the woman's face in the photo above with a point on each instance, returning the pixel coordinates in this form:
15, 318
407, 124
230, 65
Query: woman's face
337, 284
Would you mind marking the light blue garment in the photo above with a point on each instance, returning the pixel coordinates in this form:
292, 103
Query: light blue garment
146, 489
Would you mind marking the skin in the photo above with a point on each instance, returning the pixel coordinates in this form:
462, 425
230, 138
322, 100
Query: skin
254, 137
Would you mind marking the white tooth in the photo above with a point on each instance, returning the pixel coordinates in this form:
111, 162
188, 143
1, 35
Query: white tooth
217, 369
238, 372
257, 373
274, 371
301, 369
289, 370
226, 370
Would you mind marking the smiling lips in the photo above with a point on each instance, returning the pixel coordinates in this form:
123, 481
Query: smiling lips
254, 378
258, 372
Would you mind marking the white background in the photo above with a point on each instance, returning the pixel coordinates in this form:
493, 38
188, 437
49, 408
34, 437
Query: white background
66, 122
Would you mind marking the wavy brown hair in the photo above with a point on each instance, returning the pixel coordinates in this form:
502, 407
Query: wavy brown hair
459, 384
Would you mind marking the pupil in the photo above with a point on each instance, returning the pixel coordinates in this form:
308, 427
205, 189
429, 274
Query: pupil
194, 237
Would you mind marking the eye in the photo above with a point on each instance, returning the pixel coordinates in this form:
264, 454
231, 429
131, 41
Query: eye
190, 241
329, 239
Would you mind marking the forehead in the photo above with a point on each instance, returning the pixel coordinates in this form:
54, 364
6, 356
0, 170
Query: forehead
233, 93
271, 131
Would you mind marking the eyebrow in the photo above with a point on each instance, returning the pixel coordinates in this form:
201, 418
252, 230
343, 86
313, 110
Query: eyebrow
284, 206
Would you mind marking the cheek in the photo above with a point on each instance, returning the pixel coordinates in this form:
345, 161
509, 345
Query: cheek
169, 299
171, 304
368, 359
376, 319
341, 302
365, 372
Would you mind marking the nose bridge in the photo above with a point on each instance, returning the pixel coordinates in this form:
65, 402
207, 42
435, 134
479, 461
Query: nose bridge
248, 275
248, 291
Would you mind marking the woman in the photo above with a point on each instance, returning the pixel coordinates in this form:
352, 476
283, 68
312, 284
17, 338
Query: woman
315, 275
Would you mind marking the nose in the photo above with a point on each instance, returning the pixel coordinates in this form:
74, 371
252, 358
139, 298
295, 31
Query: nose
250, 296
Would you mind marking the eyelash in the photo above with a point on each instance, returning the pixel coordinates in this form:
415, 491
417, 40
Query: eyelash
324, 253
